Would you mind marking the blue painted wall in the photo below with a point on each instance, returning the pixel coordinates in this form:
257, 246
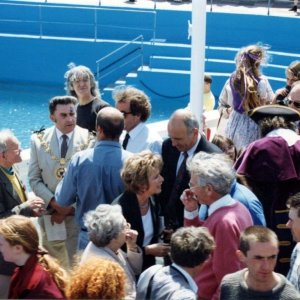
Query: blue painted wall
44, 61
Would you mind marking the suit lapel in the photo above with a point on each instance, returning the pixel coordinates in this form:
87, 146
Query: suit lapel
74, 142
54, 145
155, 217
9, 189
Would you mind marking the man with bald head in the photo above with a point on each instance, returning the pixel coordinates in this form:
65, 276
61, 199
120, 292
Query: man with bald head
184, 141
93, 176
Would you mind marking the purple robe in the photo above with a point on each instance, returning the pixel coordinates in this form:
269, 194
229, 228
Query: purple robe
272, 170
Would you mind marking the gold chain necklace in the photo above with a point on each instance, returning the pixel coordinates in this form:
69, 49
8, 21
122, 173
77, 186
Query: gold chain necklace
61, 169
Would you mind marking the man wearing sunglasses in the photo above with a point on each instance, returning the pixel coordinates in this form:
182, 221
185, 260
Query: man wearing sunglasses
294, 101
294, 97
135, 106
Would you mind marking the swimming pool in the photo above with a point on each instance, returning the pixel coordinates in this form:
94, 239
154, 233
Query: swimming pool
24, 108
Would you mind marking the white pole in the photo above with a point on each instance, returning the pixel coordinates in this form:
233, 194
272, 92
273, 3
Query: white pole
198, 57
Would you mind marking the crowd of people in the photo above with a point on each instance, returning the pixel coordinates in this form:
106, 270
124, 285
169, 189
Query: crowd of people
124, 214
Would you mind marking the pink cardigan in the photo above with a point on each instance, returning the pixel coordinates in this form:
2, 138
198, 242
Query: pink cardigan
225, 224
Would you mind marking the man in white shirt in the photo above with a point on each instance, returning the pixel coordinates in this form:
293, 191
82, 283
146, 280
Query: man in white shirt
136, 108
190, 248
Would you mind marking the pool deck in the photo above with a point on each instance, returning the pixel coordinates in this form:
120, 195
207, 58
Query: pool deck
277, 8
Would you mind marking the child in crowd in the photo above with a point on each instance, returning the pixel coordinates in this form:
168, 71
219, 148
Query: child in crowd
226, 145
208, 97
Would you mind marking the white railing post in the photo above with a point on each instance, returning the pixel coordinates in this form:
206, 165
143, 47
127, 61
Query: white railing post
198, 57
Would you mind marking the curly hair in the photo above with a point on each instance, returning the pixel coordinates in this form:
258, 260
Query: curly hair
97, 278
137, 169
139, 102
80, 72
267, 125
104, 223
224, 143
19, 230
246, 77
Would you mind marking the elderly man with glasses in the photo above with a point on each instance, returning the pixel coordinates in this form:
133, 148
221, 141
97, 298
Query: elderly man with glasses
13, 198
211, 178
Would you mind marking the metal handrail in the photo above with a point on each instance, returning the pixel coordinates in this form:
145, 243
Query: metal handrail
113, 53
40, 21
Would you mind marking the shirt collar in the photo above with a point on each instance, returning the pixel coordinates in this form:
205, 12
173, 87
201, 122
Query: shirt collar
9, 171
59, 134
191, 151
290, 136
188, 277
136, 130
224, 201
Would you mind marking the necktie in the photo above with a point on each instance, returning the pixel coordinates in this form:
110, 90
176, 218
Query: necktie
125, 142
64, 146
174, 197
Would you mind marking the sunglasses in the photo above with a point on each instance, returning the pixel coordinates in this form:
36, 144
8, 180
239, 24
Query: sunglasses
295, 103
125, 113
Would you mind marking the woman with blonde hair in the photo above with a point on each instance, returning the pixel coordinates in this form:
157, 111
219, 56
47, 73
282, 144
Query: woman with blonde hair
97, 278
37, 275
142, 180
247, 89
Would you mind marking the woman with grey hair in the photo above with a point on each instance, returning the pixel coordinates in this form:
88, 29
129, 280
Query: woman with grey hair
81, 84
108, 232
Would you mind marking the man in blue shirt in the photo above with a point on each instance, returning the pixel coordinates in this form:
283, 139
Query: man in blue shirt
93, 176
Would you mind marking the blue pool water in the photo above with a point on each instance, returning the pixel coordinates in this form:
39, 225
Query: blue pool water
24, 108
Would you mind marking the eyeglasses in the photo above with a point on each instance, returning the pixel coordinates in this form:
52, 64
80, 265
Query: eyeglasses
78, 81
14, 150
295, 103
191, 186
125, 113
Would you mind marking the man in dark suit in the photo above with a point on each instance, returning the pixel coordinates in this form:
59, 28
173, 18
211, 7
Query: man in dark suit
184, 141
13, 199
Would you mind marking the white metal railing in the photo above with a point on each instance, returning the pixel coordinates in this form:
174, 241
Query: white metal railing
41, 11
138, 41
